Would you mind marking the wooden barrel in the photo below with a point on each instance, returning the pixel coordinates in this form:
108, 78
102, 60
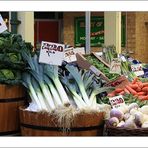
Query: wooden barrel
11, 97
43, 124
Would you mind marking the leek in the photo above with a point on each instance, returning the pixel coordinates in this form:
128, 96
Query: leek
74, 72
52, 72
54, 92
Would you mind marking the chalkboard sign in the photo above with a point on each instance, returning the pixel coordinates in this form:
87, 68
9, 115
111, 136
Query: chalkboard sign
97, 31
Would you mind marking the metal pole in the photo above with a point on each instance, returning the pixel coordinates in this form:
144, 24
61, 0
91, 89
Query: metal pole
87, 31
14, 22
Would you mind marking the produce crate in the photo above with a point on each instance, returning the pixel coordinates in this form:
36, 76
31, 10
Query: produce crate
118, 131
11, 97
43, 124
84, 63
121, 82
101, 59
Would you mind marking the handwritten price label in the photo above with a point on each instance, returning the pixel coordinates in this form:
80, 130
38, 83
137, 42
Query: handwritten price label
51, 53
117, 101
137, 69
3, 26
115, 66
70, 55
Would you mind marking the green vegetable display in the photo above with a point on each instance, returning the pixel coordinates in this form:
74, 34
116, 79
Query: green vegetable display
51, 89
11, 62
109, 53
102, 67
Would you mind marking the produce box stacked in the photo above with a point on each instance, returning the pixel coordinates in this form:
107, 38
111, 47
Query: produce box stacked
95, 64
109, 53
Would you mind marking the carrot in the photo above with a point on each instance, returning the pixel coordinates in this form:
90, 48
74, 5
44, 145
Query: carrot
132, 91
121, 93
126, 91
138, 89
112, 94
140, 84
134, 86
135, 80
141, 93
145, 89
118, 90
145, 84
142, 98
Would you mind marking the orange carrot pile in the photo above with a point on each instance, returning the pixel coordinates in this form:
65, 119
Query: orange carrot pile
136, 88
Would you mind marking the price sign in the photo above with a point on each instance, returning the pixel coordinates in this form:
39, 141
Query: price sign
3, 26
137, 69
117, 101
79, 50
115, 66
51, 53
70, 55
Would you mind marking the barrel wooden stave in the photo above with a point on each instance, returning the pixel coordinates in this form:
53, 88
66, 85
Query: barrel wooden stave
11, 97
83, 124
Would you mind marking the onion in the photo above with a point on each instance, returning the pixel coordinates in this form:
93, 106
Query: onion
145, 125
133, 106
126, 116
116, 113
144, 109
139, 118
113, 121
130, 123
121, 124
133, 111
124, 108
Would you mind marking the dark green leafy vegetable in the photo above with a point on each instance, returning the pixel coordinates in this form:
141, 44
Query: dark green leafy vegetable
102, 67
11, 61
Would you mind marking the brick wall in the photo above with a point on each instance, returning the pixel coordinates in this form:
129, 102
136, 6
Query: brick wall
141, 51
131, 36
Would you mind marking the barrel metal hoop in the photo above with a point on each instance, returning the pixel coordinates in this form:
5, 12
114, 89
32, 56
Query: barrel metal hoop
9, 133
7, 100
75, 129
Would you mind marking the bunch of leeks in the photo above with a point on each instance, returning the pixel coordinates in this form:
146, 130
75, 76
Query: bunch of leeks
51, 90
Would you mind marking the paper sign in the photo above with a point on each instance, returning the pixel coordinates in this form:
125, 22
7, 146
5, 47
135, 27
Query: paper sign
3, 26
79, 50
115, 66
70, 55
137, 69
51, 53
94, 70
99, 53
117, 101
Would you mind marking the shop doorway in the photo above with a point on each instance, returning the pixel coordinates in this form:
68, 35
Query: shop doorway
46, 30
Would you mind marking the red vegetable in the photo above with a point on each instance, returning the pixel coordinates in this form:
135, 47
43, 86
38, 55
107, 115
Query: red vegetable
145, 89
135, 80
141, 93
121, 93
118, 90
134, 86
132, 91
143, 98
138, 89
126, 91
